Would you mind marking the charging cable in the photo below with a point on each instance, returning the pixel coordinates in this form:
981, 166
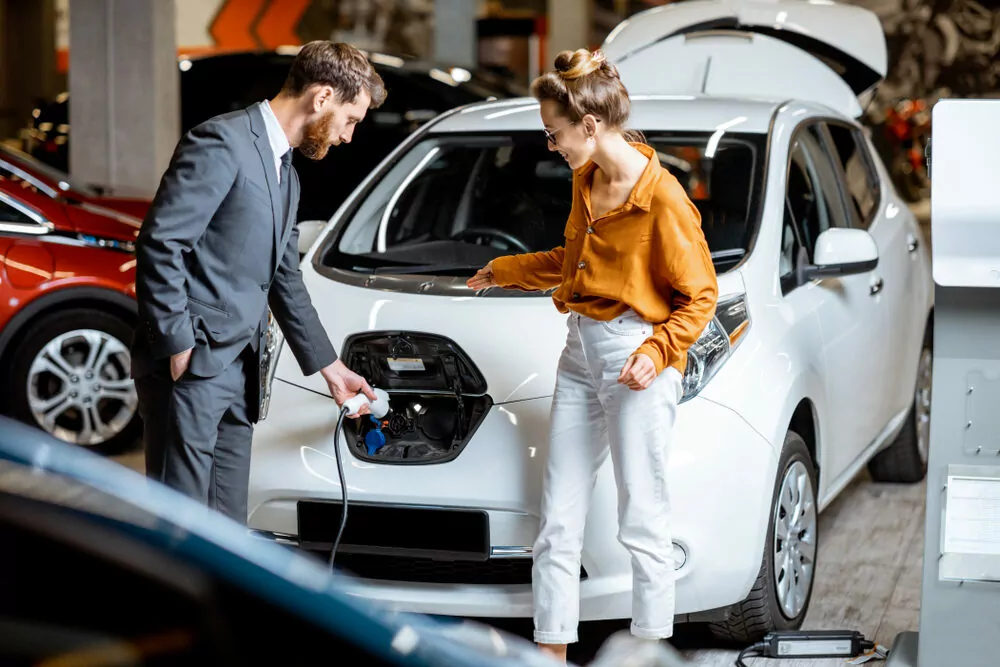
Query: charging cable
378, 409
808, 644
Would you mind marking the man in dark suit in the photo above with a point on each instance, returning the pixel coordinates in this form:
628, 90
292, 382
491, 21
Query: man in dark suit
218, 246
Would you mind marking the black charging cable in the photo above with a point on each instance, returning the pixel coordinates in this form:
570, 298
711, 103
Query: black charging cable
757, 649
343, 484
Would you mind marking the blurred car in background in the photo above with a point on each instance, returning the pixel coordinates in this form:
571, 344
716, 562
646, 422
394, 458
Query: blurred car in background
19, 167
216, 84
179, 584
67, 308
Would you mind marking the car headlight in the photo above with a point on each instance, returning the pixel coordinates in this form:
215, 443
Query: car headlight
716, 343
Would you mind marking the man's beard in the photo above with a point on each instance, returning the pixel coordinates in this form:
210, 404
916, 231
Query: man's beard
314, 138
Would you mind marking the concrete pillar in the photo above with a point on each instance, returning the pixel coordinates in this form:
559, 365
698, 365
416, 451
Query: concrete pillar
569, 28
455, 32
124, 92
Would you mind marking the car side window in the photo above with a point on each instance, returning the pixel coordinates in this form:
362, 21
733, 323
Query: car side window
68, 588
813, 202
12, 214
859, 173
70, 585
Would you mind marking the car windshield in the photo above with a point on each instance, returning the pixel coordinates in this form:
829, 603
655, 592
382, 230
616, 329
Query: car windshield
454, 202
19, 166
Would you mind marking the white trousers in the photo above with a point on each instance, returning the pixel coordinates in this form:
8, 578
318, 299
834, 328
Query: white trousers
593, 415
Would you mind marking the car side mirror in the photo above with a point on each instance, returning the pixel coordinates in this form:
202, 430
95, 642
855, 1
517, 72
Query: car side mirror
842, 252
309, 231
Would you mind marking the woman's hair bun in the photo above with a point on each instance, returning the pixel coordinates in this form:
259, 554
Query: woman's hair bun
575, 64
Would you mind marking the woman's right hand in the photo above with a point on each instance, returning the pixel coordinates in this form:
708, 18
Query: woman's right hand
482, 279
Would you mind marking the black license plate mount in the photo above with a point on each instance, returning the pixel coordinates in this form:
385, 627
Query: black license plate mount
416, 532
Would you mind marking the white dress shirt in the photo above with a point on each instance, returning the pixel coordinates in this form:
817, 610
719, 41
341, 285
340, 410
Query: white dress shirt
275, 135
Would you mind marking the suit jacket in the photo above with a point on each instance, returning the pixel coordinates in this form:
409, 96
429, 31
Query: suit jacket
216, 248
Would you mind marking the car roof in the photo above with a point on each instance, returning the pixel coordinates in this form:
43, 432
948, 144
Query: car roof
649, 113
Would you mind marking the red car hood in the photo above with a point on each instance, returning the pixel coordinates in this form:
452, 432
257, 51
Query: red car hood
102, 222
134, 207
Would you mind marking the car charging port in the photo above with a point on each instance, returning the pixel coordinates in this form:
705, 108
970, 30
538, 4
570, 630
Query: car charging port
437, 397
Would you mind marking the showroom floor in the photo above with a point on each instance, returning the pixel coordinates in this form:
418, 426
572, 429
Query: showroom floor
868, 574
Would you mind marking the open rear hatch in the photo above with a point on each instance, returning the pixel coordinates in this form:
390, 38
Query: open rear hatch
437, 397
812, 50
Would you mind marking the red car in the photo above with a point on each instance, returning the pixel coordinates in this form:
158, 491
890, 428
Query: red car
67, 309
21, 168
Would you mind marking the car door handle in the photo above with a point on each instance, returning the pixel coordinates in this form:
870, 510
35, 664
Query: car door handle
876, 286
912, 243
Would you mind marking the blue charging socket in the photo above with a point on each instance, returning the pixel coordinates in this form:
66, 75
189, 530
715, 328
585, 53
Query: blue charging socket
375, 438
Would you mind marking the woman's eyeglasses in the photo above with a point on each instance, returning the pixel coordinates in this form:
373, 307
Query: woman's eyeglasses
550, 135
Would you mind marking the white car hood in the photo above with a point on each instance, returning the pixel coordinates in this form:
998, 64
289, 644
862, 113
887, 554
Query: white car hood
515, 342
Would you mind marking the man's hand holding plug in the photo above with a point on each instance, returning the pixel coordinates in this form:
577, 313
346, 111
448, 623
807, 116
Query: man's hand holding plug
345, 384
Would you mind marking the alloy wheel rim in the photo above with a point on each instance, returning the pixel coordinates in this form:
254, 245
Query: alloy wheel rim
79, 387
794, 549
922, 404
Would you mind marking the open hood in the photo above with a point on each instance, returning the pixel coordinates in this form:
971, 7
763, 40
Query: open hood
784, 49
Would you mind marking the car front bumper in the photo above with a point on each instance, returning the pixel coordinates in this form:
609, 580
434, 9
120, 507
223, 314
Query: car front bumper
720, 475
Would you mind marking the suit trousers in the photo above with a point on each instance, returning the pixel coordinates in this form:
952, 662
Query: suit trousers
593, 415
198, 432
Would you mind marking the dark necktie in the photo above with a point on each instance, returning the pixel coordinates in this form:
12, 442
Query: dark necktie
286, 186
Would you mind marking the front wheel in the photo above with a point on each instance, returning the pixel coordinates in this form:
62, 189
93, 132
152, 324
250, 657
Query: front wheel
71, 377
780, 596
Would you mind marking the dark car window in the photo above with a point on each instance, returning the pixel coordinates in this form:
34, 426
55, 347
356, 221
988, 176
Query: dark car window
13, 214
813, 203
465, 200
67, 589
859, 173
77, 587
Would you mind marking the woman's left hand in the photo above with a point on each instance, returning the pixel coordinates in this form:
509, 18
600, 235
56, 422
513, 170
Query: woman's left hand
638, 373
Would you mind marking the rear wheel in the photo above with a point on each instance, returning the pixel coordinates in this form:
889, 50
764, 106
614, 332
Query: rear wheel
71, 377
780, 596
905, 460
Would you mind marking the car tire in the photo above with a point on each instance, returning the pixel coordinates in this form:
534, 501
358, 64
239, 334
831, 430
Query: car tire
905, 460
765, 609
101, 395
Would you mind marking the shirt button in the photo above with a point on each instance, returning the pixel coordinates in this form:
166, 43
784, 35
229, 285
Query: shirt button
576, 295
582, 265
590, 230
264, 287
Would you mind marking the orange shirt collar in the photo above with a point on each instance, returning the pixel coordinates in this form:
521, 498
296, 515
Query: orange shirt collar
642, 193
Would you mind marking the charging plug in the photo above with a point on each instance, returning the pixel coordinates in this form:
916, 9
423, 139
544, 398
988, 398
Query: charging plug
378, 409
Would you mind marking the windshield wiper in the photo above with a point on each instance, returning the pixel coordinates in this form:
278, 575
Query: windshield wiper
735, 253
427, 268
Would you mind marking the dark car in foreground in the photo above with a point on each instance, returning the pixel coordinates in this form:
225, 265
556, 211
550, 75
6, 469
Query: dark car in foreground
219, 83
103, 567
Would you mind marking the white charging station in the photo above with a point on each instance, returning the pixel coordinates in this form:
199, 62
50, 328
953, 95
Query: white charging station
960, 598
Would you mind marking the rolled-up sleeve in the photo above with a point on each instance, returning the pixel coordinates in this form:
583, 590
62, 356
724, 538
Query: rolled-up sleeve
684, 273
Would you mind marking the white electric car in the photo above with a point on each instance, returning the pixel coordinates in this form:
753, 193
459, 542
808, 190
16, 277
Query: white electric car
817, 363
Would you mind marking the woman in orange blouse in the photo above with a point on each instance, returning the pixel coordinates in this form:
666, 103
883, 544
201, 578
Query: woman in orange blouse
636, 277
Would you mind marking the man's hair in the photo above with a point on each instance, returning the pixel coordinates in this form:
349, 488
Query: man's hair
341, 66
